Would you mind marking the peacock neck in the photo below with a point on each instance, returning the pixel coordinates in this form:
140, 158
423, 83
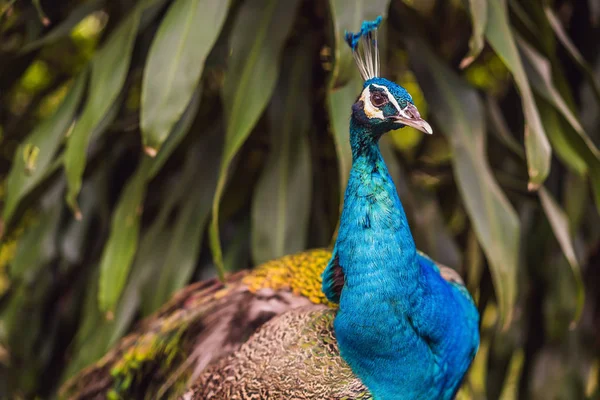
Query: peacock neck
374, 238
377, 254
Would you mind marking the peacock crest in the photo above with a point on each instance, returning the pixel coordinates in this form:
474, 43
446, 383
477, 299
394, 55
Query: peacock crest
365, 48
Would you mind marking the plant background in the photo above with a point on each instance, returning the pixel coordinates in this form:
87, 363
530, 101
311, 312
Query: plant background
148, 144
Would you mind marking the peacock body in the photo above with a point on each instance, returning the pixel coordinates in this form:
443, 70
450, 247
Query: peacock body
387, 322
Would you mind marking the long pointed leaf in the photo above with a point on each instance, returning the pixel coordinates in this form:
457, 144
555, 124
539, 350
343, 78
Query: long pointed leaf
175, 63
458, 111
540, 75
109, 69
122, 242
479, 12
282, 198
177, 135
573, 51
560, 225
186, 239
537, 147
257, 38
573, 145
47, 138
339, 104
66, 26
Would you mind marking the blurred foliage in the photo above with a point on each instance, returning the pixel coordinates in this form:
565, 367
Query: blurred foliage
141, 140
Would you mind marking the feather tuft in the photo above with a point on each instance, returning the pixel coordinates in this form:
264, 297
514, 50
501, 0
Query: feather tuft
367, 55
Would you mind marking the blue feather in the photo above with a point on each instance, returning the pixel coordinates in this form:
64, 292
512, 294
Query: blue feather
367, 27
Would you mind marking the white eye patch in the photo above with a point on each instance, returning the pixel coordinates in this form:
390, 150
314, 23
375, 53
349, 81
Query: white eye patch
370, 110
391, 98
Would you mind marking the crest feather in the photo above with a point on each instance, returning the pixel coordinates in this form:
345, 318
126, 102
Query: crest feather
367, 54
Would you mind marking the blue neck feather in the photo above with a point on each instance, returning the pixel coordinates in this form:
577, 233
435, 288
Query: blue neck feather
390, 327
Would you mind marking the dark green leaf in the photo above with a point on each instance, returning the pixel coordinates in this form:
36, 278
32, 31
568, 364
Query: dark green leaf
566, 150
109, 69
120, 250
479, 11
237, 254
37, 245
560, 225
186, 238
259, 32
282, 198
457, 110
179, 131
152, 252
540, 75
576, 199
572, 144
46, 137
537, 147
573, 51
123, 240
500, 128
175, 64
66, 26
339, 104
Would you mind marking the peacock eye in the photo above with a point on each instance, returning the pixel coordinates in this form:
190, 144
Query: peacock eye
377, 99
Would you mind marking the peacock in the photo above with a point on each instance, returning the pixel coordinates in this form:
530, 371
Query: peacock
372, 319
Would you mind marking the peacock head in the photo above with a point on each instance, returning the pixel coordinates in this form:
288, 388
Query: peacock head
383, 105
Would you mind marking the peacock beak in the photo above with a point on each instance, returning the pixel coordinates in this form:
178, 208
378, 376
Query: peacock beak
410, 116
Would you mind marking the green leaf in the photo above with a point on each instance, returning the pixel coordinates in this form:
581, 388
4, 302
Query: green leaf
348, 16
479, 11
339, 105
573, 51
500, 127
46, 137
540, 75
175, 63
566, 149
141, 286
537, 147
572, 144
282, 198
237, 254
66, 26
109, 69
122, 243
37, 245
510, 388
258, 34
186, 238
179, 132
560, 226
575, 199
457, 109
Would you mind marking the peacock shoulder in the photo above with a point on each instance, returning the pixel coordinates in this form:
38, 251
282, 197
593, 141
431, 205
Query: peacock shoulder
299, 273
294, 356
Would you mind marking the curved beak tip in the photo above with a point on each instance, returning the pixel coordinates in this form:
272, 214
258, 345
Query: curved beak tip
427, 128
